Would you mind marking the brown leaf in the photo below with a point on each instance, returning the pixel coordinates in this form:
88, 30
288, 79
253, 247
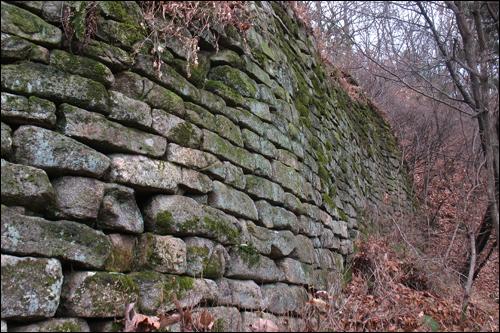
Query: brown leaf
168, 320
145, 323
204, 322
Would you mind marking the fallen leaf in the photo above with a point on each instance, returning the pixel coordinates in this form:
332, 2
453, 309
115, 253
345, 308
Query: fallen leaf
168, 320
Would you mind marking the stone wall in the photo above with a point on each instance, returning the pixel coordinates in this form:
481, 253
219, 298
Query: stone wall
239, 187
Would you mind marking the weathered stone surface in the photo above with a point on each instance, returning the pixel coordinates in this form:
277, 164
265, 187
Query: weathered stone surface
164, 254
25, 186
49, 83
176, 129
201, 117
288, 159
227, 57
119, 211
248, 264
256, 143
191, 158
232, 201
6, 139
294, 271
292, 203
309, 227
34, 296
235, 79
55, 325
256, 72
69, 241
230, 96
182, 216
225, 150
228, 319
157, 291
34, 111
282, 243
264, 189
96, 294
329, 240
143, 173
123, 35
228, 130
22, 23
259, 109
82, 66
121, 258
275, 136
76, 198
323, 258
262, 166
15, 48
279, 298
234, 176
242, 294
304, 250
95, 130
339, 228
195, 182
211, 101
113, 57
128, 111
170, 79
276, 217
250, 320
287, 177
56, 153
205, 258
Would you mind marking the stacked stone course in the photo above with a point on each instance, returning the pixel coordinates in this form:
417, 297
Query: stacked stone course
238, 188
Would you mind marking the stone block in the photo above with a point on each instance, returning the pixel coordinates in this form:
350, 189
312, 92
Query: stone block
259, 109
223, 149
324, 259
70, 242
143, 173
22, 23
241, 294
287, 177
176, 129
157, 291
247, 264
76, 198
195, 181
95, 130
96, 294
55, 325
264, 189
304, 250
309, 227
234, 176
295, 272
276, 217
113, 57
121, 258
128, 111
169, 79
205, 258
191, 158
182, 216
256, 143
235, 79
26, 186
164, 254
33, 111
6, 140
232, 201
82, 66
56, 153
119, 211
279, 298
200, 116
15, 48
262, 166
228, 130
59, 87
36, 295
230, 96
292, 203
